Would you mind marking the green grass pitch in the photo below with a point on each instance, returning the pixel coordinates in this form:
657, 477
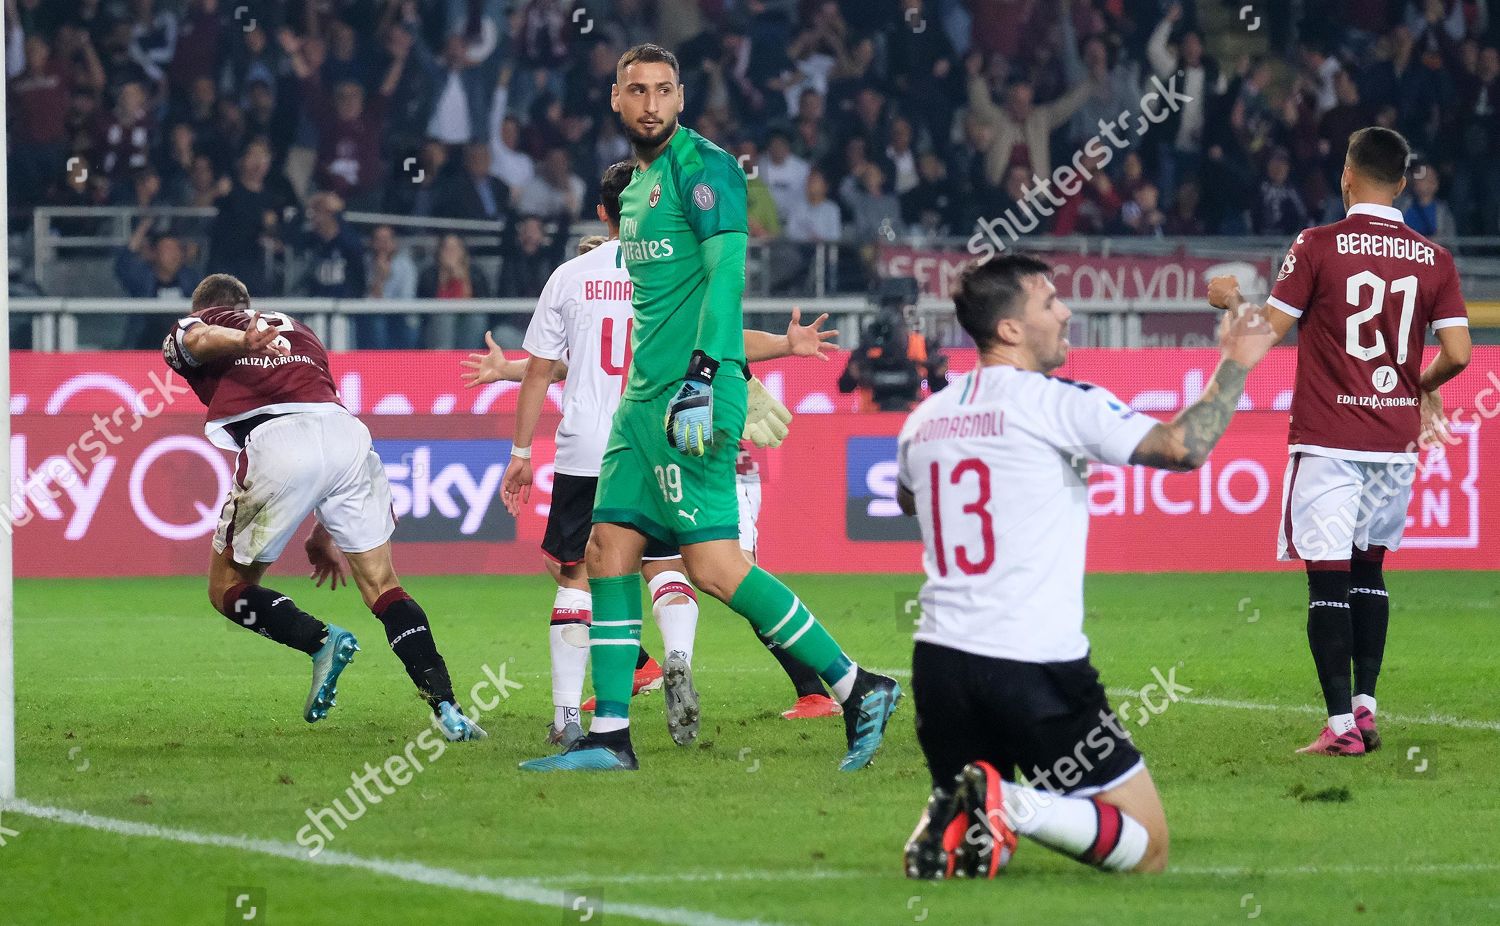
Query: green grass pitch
137, 703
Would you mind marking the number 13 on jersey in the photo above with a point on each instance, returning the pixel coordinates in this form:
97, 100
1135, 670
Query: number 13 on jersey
970, 526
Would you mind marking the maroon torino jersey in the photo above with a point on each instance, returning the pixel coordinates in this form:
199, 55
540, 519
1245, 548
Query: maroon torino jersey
248, 386
1364, 291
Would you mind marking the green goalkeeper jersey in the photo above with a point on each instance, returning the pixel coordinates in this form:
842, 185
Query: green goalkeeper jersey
691, 193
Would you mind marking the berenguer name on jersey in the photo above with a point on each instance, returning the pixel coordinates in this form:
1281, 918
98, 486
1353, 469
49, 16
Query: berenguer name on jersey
1385, 246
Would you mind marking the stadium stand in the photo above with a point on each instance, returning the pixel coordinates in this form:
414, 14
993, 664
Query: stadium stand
217, 128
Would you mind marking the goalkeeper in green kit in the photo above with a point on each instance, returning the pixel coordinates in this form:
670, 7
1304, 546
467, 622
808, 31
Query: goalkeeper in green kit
669, 469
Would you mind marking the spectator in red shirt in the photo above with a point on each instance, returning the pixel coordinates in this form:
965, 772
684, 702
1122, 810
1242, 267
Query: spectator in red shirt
199, 46
351, 127
38, 103
122, 136
1095, 208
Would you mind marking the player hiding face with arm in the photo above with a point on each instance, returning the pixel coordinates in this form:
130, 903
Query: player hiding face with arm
270, 396
995, 466
1362, 293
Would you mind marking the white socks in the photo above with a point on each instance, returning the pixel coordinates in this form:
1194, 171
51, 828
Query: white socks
1341, 724
1090, 831
568, 639
844, 687
1365, 701
674, 604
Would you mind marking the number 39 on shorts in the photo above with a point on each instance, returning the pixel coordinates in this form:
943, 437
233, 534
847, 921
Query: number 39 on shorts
670, 480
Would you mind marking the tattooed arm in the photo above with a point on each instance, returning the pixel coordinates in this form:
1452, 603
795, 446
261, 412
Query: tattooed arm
1184, 443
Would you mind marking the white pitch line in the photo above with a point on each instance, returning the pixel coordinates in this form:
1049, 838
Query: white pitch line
1433, 720
1243, 871
520, 890
1201, 871
699, 877
534, 891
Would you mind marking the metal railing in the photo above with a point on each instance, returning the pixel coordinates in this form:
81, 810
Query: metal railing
830, 277
55, 320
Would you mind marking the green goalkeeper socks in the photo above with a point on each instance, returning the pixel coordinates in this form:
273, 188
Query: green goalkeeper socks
779, 615
614, 641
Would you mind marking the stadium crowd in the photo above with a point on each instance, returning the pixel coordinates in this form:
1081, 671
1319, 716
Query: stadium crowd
864, 120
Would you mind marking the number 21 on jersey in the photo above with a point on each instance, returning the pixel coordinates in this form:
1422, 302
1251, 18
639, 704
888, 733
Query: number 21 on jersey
1355, 288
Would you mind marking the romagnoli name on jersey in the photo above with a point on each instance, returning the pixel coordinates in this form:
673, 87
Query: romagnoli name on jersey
980, 424
637, 250
1385, 246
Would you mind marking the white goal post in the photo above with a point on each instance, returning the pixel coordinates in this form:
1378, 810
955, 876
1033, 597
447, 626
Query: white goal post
7, 536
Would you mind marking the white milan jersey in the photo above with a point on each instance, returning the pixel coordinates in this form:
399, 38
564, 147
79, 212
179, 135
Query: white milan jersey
998, 464
584, 318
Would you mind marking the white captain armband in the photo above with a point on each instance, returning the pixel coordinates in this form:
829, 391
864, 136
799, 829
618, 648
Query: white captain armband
174, 349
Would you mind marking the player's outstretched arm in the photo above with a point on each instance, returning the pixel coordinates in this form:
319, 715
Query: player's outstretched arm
515, 488
799, 341
492, 367
1245, 336
208, 343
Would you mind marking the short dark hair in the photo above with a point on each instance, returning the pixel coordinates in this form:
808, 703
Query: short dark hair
990, 291
647, 53
616, 179
220, 289
1380, 154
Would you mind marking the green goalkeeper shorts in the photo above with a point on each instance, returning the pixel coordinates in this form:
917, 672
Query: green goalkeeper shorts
645, 483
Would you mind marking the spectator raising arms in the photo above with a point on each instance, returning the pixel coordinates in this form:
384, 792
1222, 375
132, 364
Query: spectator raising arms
493, 109
1020, 129
350, 127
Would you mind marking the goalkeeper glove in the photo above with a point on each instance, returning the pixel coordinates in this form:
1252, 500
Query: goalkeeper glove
766, 419
690, 414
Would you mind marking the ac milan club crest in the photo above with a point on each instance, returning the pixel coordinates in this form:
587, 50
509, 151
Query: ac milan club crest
655, 196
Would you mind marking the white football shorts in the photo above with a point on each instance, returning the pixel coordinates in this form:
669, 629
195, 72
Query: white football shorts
1330, 507
747, 487
300, 464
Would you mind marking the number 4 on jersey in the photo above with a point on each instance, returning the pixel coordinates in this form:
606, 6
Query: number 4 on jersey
607, 350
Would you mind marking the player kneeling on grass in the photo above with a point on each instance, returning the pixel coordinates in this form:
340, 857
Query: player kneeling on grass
271, 398
996, 466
